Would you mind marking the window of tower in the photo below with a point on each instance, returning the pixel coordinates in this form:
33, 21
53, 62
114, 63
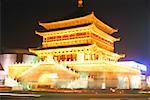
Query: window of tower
96, 57
101, 39
87, 56
55, 58
72, 36
62, 57
68, 57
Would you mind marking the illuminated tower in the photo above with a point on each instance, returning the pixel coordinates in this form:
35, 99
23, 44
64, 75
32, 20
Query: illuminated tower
77, 38
84, 44
79, 50
82, 38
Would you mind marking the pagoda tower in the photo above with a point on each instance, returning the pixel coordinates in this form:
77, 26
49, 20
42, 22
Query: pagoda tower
82, 38
79, 50
84, 44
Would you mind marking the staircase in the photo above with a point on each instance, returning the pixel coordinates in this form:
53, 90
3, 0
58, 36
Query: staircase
10, 82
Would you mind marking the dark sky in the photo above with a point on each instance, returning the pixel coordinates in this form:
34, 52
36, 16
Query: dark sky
131, 17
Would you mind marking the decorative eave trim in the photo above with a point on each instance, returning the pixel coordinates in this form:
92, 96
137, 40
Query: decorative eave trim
64, 31
34, 50
108, 52
102, 25
89, 28
77, 21
90, 47
103, 34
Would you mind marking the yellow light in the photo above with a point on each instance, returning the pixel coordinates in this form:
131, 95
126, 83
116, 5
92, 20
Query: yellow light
53, 75
47, 78
79, 21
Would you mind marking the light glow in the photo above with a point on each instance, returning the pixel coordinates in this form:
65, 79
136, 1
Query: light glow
79, 57
134, 64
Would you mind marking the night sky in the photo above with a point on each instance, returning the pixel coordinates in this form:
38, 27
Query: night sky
131, 17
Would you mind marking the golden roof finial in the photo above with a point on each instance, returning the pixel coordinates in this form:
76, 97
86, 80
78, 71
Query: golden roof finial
80, 3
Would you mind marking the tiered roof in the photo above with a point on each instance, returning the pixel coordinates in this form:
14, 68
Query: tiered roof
71, 49
79, 21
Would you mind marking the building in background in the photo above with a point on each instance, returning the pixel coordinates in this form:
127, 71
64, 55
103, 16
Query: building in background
140, 67
13, 56
2, 75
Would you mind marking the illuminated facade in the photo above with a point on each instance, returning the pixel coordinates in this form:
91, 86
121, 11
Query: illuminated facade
77, 53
